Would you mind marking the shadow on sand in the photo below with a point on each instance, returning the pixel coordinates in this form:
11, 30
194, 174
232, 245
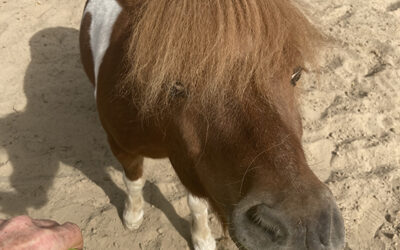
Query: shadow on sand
59, 125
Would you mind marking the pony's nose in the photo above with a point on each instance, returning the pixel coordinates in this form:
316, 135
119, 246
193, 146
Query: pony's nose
263, 219
301, 222
266, 227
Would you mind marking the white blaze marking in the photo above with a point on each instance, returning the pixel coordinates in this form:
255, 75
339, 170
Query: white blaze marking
104, 14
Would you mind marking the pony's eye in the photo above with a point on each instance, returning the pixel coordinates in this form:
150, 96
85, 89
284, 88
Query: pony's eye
178, 90
296, 75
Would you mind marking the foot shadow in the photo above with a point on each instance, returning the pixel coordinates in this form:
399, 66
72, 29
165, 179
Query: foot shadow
153, 196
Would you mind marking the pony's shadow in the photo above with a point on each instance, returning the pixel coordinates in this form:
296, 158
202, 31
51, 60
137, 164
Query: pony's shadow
58, 125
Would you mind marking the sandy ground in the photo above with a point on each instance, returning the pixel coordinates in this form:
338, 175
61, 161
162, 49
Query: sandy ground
55, 162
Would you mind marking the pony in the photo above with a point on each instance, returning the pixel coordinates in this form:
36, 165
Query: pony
212, 86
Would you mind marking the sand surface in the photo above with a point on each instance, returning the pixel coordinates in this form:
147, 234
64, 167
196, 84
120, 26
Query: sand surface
55, 162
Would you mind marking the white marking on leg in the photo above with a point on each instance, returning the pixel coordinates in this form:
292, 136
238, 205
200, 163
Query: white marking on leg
133, 212
104, 14
201, 233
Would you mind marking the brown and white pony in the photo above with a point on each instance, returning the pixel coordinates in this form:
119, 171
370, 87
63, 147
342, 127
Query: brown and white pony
210, 85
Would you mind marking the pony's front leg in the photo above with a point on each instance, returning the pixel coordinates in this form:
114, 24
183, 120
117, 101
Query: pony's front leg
133, 211
134, 182
201, 233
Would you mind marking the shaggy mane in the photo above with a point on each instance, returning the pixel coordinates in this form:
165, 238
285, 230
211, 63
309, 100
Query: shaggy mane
213, 49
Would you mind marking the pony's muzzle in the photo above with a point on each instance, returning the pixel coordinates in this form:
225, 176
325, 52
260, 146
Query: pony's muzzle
260, 225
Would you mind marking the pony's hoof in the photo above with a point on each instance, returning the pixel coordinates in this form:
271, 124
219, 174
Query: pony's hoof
133, 220
204, 244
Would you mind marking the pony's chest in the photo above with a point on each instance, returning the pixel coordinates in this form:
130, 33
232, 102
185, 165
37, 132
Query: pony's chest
104, 14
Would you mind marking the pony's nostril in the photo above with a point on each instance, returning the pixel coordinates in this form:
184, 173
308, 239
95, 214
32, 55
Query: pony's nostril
329, 229
324, 227
259, 216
